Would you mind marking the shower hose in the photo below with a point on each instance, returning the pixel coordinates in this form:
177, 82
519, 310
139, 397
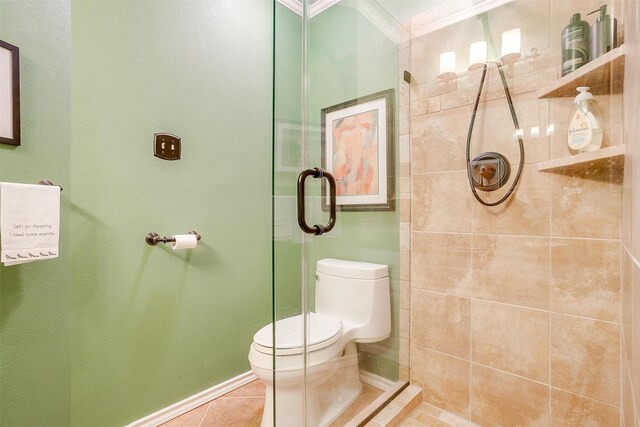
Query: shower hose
517, 133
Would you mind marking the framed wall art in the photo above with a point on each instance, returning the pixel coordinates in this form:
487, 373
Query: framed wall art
357, 148
9, 94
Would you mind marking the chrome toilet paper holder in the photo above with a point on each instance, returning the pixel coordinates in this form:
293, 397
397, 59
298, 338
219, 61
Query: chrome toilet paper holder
154, 238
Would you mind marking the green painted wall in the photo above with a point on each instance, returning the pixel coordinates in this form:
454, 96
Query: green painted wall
35, 348
287, 161
115, 329
152, 326
349, 57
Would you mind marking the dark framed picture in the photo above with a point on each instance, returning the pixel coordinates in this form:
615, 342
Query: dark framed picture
9, 94
357, 148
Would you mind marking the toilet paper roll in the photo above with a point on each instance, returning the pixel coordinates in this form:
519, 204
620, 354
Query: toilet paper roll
184, 241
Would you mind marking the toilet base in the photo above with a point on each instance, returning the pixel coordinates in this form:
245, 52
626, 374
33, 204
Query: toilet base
332, 388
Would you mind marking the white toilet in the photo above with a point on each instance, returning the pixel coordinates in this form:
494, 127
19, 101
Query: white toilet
352, 304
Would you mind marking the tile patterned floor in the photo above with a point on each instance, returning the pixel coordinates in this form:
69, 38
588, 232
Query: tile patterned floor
243, 408
426, 415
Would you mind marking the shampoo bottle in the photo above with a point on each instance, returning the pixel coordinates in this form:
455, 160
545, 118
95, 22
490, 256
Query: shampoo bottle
575, 45
603, 33
585, 125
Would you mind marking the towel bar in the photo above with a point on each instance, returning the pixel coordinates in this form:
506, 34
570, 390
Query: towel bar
46, 182
154, 238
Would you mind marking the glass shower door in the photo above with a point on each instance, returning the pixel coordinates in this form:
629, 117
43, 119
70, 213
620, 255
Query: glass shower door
336, 114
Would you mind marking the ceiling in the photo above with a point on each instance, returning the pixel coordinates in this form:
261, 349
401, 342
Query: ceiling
399, 10
387, 14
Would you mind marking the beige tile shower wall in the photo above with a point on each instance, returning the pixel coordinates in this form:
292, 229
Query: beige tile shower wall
514, 309
404, 198
630, 289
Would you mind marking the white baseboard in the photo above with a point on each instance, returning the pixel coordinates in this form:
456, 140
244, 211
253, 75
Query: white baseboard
184, 406
179, 408
376, 380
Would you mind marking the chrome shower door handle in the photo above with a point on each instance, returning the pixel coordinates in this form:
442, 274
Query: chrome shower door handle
316, 229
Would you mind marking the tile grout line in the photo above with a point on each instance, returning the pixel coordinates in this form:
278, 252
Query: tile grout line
205, 412
551, 312
471, 318
521, 236
493, 368
550, 278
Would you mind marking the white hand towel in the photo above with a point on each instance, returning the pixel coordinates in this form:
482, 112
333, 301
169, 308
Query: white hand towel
29, 222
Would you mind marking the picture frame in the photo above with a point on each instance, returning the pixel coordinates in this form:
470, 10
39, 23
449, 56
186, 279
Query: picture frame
357, 148
9, 94
289, 151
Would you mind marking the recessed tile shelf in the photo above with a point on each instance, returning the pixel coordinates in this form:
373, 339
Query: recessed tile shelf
610, 157
603, 75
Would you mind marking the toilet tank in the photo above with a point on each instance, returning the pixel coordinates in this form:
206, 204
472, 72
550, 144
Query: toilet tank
356, 293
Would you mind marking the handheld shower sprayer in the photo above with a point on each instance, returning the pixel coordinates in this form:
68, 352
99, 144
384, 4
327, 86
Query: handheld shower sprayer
490, 171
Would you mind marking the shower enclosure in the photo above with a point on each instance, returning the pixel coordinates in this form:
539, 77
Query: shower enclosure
517, 293
333, 65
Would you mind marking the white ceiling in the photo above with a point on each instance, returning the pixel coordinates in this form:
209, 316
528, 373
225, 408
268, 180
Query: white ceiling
389, 15
399, 10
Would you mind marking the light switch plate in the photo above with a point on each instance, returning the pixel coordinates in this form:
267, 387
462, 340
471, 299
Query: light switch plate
166, 146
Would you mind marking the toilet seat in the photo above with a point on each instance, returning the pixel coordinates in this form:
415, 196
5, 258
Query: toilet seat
323, 331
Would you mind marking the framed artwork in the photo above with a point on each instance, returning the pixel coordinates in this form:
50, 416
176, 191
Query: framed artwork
9, 94
357, 148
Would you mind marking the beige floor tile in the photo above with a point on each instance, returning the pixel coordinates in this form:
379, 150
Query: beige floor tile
420, 419
244, 406
232, 412
367, 396
189, 419
253, 389
428, 415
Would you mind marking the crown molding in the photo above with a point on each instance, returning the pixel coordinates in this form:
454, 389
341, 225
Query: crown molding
317, 7
293, 5
450, 13
432, 20
382, 21
368, 8
320, 6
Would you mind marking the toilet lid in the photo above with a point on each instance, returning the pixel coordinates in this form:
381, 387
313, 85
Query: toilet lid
323, 332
